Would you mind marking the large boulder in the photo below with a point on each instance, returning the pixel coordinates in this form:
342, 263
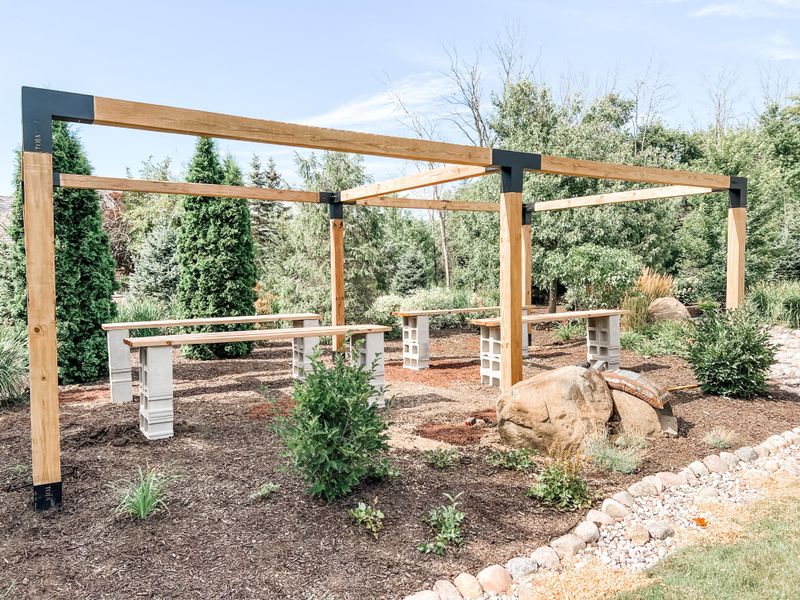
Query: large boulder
668, 309
554, 409
638, 417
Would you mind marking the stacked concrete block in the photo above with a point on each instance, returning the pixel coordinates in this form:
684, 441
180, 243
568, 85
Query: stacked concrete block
490, 356
155, 392
526, 336
602, 340
119, 366
370, 350
416, 343
302, 349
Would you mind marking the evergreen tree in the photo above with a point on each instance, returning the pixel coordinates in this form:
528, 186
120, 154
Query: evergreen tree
156, 271
215, 252
267, 217
411, 272
84, 266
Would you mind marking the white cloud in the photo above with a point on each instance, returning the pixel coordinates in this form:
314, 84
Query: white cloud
749, 9
780, 47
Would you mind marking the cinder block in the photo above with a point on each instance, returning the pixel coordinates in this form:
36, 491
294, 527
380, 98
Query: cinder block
490, 356
416, 342
302, 350
156, 392
370, 348
119, 366
602, 340
156, 427
121, 383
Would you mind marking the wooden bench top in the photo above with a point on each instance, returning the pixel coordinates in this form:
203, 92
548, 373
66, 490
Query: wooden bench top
209, 321
549, 317
449, 311
252, 335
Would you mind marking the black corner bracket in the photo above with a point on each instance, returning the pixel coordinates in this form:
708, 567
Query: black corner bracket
737, 193
41, 106
334, 202
47, 496
513, 165
527, 214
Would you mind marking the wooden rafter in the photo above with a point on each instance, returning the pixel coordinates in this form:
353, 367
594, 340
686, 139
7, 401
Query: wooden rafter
429, 204
672, 191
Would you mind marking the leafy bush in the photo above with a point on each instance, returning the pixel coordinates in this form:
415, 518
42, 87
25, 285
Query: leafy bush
561, 484
659, 339
13, 365
143, 309
721, 438
144, 495
334, 438
567, 330
441, 458
446, 522
617, 458
598, 276
381, 314
777, 302
370, 516
731, 353
517, 459
265, 490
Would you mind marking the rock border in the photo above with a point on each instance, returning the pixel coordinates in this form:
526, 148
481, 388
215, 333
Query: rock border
636, 528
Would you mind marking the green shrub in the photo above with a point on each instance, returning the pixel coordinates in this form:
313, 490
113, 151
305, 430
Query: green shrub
561, 484
618, 458
410, 272
598, 276
13, 365
381, 314
517, 459
156, 271
731, 353
659, 339
441, 458
334, 438
370, 516
721, 438
143, 496
265, 490
446, 523
566, 331
777, 302
144, 309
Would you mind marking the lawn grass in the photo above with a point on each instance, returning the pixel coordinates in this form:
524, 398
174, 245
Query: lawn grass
763, 563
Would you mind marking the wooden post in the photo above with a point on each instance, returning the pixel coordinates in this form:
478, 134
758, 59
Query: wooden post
527, 250
737, 233
337, 271
510, 278
37, 173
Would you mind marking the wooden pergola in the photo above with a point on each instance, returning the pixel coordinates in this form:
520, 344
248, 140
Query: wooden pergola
41, 106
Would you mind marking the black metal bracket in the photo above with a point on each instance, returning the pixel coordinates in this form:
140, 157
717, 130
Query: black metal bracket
47, 496
334, 202
41, 106
513, 165
737, 193
527, 214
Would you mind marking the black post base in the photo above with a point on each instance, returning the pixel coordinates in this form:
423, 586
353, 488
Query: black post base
47, 496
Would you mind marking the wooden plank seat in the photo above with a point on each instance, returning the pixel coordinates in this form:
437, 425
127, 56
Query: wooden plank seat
119, 354
156, 412
416, 332
602, 338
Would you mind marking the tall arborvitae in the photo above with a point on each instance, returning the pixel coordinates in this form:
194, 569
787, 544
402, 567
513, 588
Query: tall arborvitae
267, 217
215, 252
84, 266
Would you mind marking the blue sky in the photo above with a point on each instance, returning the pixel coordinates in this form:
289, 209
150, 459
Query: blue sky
339, 64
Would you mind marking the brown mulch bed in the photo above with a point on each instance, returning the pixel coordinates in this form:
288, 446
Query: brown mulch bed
215, 542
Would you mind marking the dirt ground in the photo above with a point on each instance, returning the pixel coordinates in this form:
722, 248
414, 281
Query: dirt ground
217, 543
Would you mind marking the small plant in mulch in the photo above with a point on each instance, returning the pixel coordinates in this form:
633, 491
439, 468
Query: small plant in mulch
445, 521
612, 457
517, 459
369, 516
561, 484
567, 330
721, 438
631, 440
265, 491
441, 458
144, 495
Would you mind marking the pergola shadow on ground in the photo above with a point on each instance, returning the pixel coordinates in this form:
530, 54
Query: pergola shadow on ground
41, 106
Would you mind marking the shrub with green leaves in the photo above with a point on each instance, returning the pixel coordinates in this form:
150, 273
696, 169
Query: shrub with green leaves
265, 490
777, 302
598, 276
142, 309
144, 495
516, 459
566, 331
445, 521
731, 353
561, 485
369, 516
611, 457
441, 458
13, 365
659, 339
335, 439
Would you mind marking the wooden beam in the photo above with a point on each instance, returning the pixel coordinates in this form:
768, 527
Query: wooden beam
510, 289
737, 233
245, 319
558, 165
123, 184
412, 182
429, 204
337, 279
37, 173
525, 258
672, 191
153, 117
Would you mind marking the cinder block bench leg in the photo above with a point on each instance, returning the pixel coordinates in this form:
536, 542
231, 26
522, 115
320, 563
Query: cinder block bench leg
156, 414
602, 340
371, 350
119, 366
416, 343
302, 349
525, 337
490, 356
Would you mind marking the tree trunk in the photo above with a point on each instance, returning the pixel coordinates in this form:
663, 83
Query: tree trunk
445, 249
552, 301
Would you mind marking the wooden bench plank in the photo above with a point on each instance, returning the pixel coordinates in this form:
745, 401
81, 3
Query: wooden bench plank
210, 321
450, 311
550, 317
225, 337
